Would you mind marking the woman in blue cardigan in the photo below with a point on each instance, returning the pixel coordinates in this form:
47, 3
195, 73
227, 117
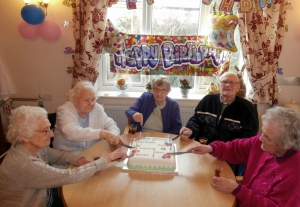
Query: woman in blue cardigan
156, 111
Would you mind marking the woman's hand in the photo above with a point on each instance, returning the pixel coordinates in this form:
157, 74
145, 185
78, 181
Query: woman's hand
110, 137
201, 149
82, 161
117, 154
224, 185
138, 117
185, 133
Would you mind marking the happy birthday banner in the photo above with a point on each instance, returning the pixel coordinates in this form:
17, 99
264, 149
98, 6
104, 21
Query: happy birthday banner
181, 54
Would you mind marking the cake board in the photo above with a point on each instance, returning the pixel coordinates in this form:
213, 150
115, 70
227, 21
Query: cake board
175, 172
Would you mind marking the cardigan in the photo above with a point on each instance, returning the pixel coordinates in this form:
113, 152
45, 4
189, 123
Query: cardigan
239, 119
170, 114
268, 180
69, 136
24, 179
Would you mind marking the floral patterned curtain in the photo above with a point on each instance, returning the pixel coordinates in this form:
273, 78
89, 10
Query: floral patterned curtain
89, 21
261, 35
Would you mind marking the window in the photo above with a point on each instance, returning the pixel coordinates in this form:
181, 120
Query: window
164, 17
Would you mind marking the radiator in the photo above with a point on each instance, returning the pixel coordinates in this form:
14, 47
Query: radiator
186, 114
117, 113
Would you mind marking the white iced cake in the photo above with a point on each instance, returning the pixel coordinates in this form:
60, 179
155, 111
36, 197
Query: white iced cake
150, 154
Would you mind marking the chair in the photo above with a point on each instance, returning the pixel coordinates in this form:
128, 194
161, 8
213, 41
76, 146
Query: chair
4, 145
52, 120
239, 179
127, 128
2, 157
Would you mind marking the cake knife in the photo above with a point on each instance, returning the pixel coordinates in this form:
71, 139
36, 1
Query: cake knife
177, 153
125, 145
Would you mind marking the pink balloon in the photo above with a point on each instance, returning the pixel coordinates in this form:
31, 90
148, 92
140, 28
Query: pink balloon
50, 30
28, 31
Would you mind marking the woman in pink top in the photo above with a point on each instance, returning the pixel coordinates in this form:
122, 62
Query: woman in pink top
272, 158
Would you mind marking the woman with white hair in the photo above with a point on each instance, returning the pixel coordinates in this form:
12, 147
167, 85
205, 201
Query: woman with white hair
26, 174
272, 158
82, 122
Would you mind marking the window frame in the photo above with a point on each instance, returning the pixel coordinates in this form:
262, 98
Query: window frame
199, 81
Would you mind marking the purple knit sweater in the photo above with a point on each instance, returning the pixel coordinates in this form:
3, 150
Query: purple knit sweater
268, 180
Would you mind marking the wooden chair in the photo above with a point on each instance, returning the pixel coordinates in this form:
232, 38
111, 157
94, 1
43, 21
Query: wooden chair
127, 128
239, 179
2, 157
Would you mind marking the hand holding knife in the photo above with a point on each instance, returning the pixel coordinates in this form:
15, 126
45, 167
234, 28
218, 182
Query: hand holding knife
126, 145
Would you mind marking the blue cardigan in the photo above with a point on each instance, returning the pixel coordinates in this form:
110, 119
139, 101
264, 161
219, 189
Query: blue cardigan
145, 105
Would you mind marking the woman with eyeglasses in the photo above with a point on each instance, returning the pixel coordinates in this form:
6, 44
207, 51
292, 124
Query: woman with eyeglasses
273, 162
26, 174
156, 111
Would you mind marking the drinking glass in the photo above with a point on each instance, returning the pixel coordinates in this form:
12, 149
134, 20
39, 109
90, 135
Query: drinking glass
203, 140
132, 129
218, 169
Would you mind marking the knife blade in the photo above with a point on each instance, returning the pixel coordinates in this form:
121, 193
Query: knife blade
177, 153
125, 145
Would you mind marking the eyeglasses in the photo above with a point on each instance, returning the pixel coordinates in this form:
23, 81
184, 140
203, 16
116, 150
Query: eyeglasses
47, 132
231, 83
156, 90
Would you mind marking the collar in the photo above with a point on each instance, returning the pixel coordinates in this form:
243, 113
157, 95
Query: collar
286, 156
224, 102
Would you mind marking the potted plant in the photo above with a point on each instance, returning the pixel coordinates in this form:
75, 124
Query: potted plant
184, 87
149, 87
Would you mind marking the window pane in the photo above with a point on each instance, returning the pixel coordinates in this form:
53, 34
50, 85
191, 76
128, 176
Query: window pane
175, 80
169, 17
128, 21
176, 17
111, 76
209, 79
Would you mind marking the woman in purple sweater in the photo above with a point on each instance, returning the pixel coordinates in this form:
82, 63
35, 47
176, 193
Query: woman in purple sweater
156, 111
272, 158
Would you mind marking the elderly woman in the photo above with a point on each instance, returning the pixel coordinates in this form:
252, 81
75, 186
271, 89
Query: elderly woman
81, 122
156, 111
273, 161
26, 172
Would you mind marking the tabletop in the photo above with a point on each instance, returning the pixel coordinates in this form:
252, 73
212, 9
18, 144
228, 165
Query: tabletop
114, 187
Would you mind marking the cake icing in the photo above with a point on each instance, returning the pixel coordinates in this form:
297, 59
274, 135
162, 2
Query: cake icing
150, 154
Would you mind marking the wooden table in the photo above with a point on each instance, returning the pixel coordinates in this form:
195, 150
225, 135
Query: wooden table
116, 188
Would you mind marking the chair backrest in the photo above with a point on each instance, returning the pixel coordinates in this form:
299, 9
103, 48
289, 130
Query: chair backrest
127, 128
52, 120
2, 157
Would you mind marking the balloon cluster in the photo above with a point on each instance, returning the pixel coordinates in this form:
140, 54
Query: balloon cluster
34, 24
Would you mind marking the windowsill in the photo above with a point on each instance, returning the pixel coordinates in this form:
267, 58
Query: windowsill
128, 98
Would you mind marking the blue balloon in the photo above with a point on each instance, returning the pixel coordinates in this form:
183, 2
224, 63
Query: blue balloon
33, 14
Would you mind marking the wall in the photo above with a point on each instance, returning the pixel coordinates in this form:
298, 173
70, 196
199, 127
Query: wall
289, 58
36, 65
40, 66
